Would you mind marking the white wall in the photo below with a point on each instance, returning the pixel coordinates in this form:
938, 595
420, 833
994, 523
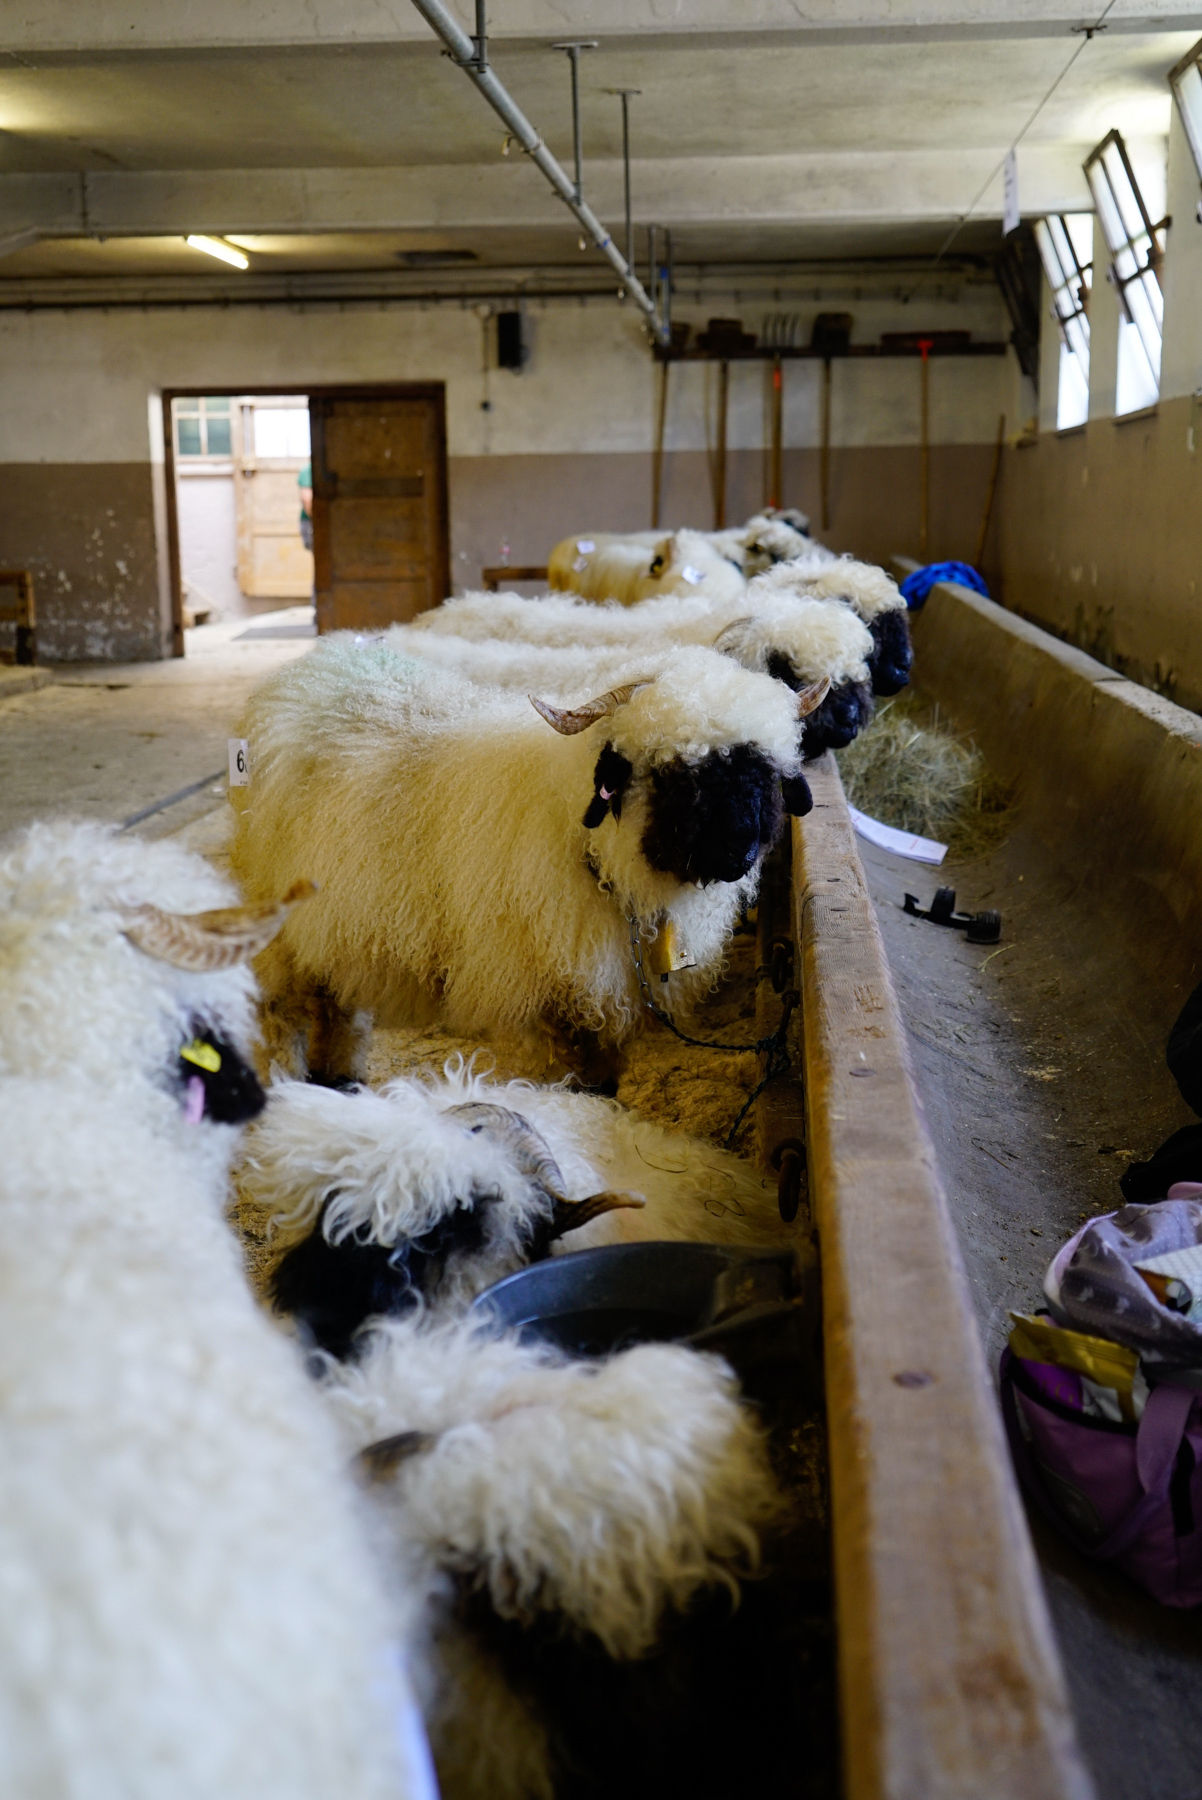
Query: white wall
76, 384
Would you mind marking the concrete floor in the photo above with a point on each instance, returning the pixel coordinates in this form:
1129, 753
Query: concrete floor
108, 741
1040, 1062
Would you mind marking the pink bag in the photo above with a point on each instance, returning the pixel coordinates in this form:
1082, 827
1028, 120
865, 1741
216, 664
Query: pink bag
1126, 1494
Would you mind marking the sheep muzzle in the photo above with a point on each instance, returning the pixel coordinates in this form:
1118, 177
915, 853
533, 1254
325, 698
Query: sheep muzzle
206, 941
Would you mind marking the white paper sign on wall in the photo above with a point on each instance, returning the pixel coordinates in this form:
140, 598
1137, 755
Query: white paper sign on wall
1010, 213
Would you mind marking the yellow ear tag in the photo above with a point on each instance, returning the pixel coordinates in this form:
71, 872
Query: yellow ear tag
203, 1055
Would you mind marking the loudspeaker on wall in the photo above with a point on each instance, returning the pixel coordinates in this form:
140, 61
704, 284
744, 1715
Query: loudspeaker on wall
511, 349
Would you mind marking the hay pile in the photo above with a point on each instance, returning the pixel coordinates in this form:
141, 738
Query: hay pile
909, 771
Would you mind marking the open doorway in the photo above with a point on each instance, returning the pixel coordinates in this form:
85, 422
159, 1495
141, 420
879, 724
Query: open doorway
243, 504
372, 462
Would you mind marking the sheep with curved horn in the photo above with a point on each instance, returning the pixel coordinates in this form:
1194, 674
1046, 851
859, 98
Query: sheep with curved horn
428, 1190
190, 1604
473, 864
787, 631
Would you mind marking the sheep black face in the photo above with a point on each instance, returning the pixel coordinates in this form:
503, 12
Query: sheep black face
332, 1288
216, 1081
893, 654
833, 724
712, 820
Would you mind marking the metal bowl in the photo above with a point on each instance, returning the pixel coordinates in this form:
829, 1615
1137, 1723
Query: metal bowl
753, 1307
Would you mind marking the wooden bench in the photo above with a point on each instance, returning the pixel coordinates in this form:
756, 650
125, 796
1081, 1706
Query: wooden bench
503, 574
20, 613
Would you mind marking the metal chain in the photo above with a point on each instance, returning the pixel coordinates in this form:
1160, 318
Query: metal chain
775, 1047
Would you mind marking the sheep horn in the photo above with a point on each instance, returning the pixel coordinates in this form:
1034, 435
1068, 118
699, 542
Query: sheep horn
570, 1215
382, 1459
570, 720
810, 698
533, 1157
728, 637
528, 1148
204, 941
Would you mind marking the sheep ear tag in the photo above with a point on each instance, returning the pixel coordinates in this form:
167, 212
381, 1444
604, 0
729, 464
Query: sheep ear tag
216, 1082
809, 699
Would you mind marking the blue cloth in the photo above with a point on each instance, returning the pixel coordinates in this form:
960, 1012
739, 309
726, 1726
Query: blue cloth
916, 587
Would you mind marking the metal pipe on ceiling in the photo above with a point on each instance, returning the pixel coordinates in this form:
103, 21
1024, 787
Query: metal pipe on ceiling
573, 50
465, 54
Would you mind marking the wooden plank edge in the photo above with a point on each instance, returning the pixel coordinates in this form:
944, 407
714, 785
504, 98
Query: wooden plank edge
950, 1681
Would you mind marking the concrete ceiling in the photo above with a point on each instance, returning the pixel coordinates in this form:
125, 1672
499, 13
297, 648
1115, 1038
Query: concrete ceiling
335, 139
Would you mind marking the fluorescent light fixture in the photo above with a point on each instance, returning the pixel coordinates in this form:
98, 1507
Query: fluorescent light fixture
219, 248
1186, 83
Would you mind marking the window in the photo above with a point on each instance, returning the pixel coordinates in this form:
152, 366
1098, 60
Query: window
1066, 250
1186, 83
281, 431
1136, 248
203, 426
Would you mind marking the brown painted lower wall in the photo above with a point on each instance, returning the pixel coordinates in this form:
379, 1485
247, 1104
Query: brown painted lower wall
530, 502
92, 536
1099, 540
87, 533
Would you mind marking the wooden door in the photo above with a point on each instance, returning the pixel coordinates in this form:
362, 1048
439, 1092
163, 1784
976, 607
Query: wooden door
380, 517
273, 562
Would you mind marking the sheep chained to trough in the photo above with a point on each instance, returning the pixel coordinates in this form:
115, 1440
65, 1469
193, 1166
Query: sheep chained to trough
425, 1192
764, 557
191, 1606
631, 566
872, 595
560, 645
472, 863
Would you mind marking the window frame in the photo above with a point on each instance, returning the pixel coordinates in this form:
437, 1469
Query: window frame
1071, 282
204, 409
1191, 120
1136, 255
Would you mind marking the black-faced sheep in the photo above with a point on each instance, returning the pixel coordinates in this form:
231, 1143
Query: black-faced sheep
190, 1607
426, 1192
473, 862
565, 646
870, 594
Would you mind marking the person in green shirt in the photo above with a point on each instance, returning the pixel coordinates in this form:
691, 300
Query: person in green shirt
304, 482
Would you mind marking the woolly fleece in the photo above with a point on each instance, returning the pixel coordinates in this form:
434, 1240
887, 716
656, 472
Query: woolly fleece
189, 1603
442, 824
862, 586
393, 1162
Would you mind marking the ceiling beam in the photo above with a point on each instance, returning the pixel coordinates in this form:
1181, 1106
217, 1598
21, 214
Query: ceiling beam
49, 27
802, 189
